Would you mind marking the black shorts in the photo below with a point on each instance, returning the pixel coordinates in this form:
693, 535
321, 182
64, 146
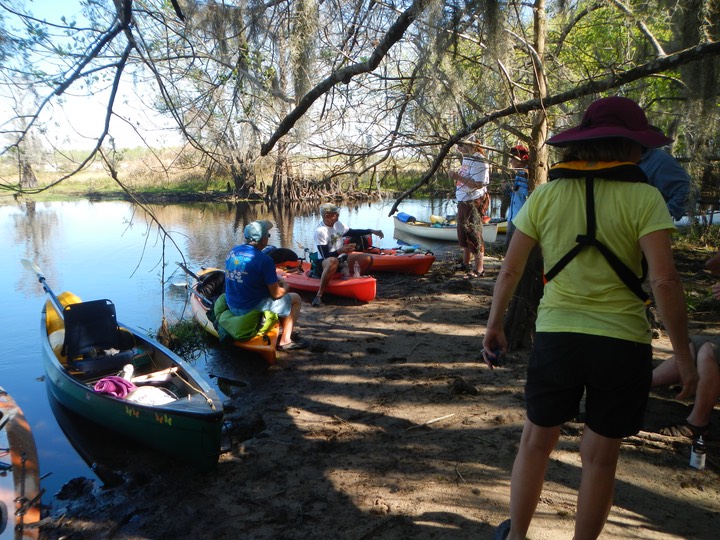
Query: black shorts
614, 373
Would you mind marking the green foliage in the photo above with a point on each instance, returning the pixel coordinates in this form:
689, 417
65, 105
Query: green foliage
188, 340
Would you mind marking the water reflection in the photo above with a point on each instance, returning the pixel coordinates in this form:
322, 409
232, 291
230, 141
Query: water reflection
114, 250
97, 446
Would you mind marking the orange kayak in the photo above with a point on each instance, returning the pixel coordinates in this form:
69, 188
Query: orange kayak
396, 260
20, 478
296, 276
212, 285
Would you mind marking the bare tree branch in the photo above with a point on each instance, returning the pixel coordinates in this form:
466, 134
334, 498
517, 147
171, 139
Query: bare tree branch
693, 54
392, 36
641, 26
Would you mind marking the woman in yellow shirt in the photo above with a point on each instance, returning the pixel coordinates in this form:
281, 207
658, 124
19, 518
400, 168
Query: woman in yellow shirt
592, 336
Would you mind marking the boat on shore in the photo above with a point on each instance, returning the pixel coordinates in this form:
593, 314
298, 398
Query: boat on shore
296, 275
703, 219
121, 378
502, 225
209, 285
441, 231
20, 493
413, 261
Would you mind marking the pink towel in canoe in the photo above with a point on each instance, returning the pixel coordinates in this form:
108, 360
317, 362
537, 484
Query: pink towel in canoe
115, 386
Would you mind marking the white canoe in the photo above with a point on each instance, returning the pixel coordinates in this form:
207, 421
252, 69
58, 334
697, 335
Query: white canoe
709, 218
446, 233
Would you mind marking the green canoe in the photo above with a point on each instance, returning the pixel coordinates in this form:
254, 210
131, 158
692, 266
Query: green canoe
168, 406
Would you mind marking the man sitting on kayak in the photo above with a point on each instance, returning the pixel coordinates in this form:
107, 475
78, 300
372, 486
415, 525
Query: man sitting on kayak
333, 253
251, 283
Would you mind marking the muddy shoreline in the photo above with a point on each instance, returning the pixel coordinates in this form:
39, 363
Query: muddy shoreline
390, 427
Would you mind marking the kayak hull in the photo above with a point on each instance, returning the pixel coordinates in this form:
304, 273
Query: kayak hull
20, 481
394, 260
444, 233
187, 428
296, 276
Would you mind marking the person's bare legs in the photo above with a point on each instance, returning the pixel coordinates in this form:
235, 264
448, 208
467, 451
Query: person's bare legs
595, 497
479, 266
528, 475
467, 252
708, 387
288, 323
665, 374
477, 245
329, 266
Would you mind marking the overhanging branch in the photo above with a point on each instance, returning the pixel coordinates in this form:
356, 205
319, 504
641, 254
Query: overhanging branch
658, 65
344, 75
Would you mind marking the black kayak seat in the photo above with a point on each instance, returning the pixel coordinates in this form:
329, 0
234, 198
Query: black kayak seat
91, 330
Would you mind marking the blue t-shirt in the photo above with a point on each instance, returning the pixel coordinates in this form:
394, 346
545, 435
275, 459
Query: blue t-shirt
519, 194
248, 272
666, 174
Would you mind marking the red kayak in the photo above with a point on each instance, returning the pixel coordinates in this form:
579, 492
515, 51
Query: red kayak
296, 276
397, 260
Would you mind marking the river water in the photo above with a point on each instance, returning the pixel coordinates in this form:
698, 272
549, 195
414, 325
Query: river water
113, 250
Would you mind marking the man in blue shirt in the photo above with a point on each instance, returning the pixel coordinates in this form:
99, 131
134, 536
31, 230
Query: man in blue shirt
251, 283
666, 174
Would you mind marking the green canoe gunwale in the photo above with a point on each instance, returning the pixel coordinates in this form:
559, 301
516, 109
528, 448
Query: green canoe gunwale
188, 428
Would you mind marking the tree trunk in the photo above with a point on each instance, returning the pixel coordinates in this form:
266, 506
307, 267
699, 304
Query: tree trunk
282, 187
519, 322
522, 312
27, 176
243, 176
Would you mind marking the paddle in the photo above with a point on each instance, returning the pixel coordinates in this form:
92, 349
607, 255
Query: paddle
200, 296
192, 289
41, 278
188, 272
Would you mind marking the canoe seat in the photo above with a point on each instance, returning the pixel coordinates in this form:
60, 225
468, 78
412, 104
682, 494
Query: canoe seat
93, 341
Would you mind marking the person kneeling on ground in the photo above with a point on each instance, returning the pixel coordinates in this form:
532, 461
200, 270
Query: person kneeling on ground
707, 393
251, 283
707, 362
333, 253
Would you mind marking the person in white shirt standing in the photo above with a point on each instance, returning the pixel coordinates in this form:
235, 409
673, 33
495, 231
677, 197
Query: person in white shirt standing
473, 198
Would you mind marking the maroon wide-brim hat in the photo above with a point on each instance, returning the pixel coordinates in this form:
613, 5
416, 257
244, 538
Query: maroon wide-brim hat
613, 117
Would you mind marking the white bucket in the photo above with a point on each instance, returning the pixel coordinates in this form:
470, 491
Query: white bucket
490, 232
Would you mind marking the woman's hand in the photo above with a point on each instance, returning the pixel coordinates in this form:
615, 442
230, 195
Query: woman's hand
494, 347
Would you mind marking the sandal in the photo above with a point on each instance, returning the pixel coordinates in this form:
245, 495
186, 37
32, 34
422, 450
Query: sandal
317, 302
686, 429
294, 346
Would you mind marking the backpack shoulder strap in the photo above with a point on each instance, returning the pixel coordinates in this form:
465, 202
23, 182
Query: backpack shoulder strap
631, 281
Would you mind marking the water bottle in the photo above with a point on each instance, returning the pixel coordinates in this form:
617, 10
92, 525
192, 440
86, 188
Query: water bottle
697, 453
127, 372
356, 269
